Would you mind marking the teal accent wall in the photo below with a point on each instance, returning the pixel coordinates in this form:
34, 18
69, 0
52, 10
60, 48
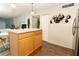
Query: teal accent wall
6, 21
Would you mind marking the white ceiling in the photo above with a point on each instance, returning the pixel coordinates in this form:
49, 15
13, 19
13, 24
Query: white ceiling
23, 8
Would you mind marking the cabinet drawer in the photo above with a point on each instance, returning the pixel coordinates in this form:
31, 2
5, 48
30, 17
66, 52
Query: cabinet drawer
24, 35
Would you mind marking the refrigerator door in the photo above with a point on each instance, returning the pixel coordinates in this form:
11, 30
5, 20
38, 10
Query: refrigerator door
74, 27
77, 42
76, 35
74, 32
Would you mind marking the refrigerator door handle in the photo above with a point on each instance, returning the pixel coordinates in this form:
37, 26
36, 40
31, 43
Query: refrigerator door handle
74, 27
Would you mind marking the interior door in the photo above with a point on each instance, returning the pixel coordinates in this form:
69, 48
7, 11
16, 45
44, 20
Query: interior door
35, 22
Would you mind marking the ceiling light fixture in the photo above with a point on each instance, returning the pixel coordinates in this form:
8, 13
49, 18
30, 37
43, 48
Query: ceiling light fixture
13, 6
32, 12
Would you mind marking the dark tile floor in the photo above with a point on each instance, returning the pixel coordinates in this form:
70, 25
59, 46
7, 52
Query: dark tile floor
53, 50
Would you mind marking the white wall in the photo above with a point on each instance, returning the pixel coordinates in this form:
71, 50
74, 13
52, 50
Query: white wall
61, 33
44, 26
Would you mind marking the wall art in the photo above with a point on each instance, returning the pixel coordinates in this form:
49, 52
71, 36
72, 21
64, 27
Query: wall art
59, 18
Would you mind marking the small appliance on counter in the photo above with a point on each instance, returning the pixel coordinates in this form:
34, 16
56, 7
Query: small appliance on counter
23, 26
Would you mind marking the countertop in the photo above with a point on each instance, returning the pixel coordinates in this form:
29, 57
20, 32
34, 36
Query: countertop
3, 34
23, 30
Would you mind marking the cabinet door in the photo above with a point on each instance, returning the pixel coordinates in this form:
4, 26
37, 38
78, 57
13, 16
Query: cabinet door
25, 46
37, 41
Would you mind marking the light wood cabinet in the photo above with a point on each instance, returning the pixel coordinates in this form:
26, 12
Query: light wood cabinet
38, 39
24, 44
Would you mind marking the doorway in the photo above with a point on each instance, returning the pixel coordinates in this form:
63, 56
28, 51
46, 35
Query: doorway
36, 21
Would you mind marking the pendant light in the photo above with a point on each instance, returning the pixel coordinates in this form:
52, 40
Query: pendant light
32, 12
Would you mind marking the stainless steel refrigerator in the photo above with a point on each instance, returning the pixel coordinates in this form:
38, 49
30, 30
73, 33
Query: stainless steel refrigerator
75, 32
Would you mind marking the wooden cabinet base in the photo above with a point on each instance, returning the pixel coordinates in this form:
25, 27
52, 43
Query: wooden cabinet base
35, 51
24, 44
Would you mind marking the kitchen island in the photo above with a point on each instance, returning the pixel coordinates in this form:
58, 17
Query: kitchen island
23, 42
